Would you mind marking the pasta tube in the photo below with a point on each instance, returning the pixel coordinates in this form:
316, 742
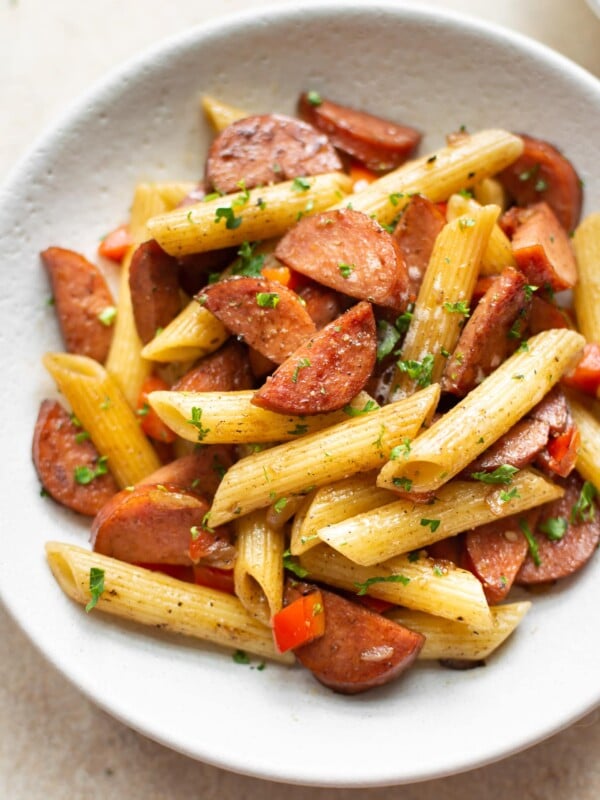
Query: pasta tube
417, 582
586, 294
260, 213
194, 333
498, 251
98, 403
258, 572
458, 506
487, 412
220, 114
448, 639
589, 447
151, 598
357, 445
439, 175
230, 417
447, 285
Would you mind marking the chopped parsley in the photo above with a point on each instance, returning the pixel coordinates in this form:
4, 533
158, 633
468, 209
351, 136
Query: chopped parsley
506, 497
108, 315
396, 578
248, 263
143, 411
195, 532
299, 430
84, 474
584, 509
431, 159
231, 221
290, 563
387, 337
82, 436
280, 504
346, 270
400, 450
314, 98
403, 483
414, 556
418, 371
300, 185
302, 364
540, 185
404, 319
395, 197
554, 528
460, 307
503, 475
267, 299
241, 657
96, 587
466, 222
243, 197
370, 405
434, 524
531, 542
529, 290
196, 422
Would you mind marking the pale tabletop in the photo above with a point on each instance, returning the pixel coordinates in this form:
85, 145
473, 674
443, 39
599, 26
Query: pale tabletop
54, 743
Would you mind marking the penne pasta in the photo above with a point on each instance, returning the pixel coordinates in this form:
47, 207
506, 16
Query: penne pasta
586, 294
231, 418
194, 333
258, 571
498, 252
460, 505
447, 285
104, 413
490, 191
260, 213
337, 452
449, 639
150, 598
220, 114
440, 174
589, 430
487, 412
436, 587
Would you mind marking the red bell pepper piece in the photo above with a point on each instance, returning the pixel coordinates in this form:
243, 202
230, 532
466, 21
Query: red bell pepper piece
586, 375
300, 622
221, 579
150, 422
116, 243
562, 451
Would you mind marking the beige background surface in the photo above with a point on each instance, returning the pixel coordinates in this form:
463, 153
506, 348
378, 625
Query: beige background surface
53, 742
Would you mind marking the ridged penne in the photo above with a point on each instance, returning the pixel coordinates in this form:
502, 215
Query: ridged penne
490, 191
150, 598
437, 176
331, 504
403, 526
498, 253
437, 587
446, 638
104, 413
588, 462
261, 213
586, 294
194, 333
449, 280
487, 412
220, 114
337, 452
258, 571
230, 417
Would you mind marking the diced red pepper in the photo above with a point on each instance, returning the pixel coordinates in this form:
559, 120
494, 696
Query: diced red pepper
563, 451
116, 243
179, 571
586, 375
151, 423
284, 275
300, 622
221, 579
374, 603
361, 176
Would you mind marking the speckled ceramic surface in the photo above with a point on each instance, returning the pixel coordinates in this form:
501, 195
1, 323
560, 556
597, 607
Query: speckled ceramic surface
429, 69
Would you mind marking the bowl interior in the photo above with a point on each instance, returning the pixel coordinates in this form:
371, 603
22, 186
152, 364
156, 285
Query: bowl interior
431, 70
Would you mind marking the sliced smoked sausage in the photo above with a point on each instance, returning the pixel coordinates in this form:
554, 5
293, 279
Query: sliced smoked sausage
154, 288
518, 447
199, 472
227, 370
377, 143
81, 295
265, 149
494, 553
266, 314
416, 232
326, 372
349, 252
62, 451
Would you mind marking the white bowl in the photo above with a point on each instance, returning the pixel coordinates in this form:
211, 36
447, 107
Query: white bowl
428, 68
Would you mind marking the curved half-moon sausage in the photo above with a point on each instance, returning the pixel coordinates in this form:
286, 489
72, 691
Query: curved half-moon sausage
227, 370
494, 554
323, 305
61, 451
266, 314
360, 649
160, 524
80, 296
326, 372
349, 252
199, 472
416, 232
266, 149
518, 447
542, 173
154, 287
378, 143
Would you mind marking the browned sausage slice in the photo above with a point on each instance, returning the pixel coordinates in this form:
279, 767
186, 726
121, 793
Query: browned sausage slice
416, 233
518, 447
542, 249
328, 371
360, 649
160, 524
62, 450
487, 339
266, 149
80, 296
543, 173
349, 252
194, 271
199, 472
266, 314
565, 556
154, 288
378, 143
227, 370
494, 554
553, 409
322, 304
546, 315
